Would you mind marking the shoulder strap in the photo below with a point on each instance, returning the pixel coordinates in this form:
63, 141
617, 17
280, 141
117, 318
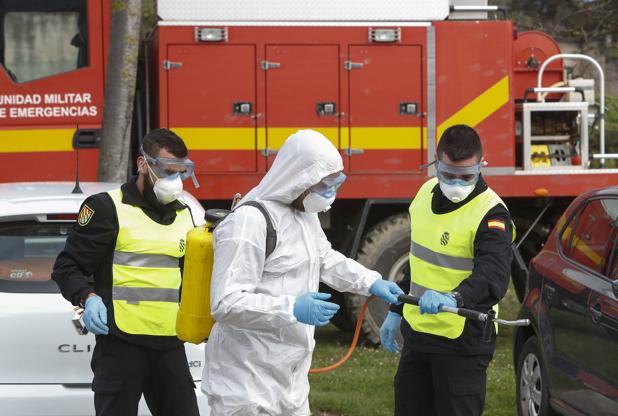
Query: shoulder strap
271, 233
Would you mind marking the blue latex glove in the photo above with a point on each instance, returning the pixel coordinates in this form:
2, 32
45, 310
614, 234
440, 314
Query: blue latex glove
95, 315
431, 301
388, 331
386, 290
312, 308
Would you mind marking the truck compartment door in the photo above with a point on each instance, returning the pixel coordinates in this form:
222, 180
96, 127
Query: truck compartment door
302, 91
211, 101
385, 117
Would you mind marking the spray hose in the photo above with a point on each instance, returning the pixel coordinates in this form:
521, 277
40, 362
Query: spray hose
488, 319
359, 325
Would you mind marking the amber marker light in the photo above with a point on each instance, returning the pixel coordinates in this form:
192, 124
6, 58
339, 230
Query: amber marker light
541, 192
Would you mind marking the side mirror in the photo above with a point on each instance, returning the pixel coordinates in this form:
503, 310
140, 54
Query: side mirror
615, 287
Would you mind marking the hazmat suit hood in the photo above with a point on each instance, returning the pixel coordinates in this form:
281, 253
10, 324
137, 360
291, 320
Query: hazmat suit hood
305, 159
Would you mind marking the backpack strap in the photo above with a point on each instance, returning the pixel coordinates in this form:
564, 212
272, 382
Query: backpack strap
271, 233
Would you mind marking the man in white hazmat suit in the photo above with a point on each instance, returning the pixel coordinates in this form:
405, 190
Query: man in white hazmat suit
259, 352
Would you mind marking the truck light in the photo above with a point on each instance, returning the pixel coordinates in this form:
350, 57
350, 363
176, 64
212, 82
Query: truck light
541, 192
211, 34
384, 35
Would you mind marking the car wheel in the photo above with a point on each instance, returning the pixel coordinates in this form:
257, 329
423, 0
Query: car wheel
532, 387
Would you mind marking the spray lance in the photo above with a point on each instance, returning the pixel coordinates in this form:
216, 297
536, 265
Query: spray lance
489, 319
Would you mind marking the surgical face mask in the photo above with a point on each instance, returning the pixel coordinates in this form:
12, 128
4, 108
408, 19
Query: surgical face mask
315, 202
166, 189
457, 182
456, 192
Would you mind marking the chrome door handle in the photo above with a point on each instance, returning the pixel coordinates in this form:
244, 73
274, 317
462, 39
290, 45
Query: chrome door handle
595, 313
351, 152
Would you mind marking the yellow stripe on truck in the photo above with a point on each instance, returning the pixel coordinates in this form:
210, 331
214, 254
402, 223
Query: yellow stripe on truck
385, 138
36, 140
243, 138
480, 108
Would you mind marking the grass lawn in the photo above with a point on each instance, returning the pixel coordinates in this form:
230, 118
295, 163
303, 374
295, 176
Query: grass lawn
364, 385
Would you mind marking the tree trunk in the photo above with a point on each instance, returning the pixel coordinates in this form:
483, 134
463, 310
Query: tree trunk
120, 90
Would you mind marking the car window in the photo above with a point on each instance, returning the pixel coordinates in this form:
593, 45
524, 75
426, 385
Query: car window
55, 43
28, 251
589, 236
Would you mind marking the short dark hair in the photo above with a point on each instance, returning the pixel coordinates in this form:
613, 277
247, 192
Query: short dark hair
158, 139
460, 142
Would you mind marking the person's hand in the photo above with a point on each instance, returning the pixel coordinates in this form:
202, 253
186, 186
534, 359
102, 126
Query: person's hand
95, 315
388, 331
386, 290
312, 308
432, 301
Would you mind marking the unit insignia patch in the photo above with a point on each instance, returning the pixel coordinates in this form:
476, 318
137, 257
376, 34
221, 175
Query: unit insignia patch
445, 237
85, 215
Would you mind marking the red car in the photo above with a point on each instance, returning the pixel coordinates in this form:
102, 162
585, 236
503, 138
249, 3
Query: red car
567, 360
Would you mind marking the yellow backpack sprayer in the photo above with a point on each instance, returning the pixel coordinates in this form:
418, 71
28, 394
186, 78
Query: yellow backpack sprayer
194, 322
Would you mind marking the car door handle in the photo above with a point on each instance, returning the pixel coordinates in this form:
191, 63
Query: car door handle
595, 313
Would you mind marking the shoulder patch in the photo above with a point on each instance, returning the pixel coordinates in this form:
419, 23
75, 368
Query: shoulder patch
496, 224
85, 215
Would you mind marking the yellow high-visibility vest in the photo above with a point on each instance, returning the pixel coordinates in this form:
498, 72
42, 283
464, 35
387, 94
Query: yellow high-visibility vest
146, 270
442, 254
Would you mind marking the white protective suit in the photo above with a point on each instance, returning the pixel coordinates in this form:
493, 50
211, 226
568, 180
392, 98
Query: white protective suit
258, 355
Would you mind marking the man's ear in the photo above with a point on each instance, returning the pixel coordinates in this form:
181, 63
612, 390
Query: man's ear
141, 165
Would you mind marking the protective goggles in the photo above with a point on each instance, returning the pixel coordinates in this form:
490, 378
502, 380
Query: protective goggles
329, 186
165, 167
458, 175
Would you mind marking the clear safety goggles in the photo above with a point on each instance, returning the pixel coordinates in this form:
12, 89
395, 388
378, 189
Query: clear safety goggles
329, 186
166, 167
458, 175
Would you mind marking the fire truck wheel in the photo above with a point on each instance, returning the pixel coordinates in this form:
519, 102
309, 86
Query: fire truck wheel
385, 249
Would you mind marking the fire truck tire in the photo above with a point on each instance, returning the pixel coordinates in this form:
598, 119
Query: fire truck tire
385, 249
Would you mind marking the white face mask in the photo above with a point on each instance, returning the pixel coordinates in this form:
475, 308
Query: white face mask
456, 193
167, 189
317, 203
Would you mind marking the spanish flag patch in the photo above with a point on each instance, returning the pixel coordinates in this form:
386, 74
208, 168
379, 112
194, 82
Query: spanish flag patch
496, 224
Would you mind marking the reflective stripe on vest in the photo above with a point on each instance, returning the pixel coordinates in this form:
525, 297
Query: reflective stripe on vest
146, 270
124, 258
135, 295
440, 259
442, 254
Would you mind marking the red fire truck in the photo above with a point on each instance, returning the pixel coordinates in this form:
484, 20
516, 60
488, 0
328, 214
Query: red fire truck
382, 80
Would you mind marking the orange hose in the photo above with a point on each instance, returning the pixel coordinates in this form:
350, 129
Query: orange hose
345, 358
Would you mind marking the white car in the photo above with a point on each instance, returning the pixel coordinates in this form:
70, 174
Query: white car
44, 359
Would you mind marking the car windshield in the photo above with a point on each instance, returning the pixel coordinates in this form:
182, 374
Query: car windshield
27, 254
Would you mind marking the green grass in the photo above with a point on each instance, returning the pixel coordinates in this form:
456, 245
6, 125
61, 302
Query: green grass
364, 385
